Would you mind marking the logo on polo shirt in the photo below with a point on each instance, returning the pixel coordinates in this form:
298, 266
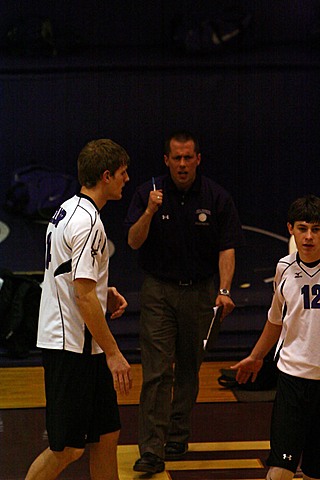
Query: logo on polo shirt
202, 216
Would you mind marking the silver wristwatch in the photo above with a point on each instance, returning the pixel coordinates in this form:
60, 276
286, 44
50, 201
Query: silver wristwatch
224, 291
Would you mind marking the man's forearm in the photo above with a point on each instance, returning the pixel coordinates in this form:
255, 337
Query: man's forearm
226, 267
139, 231
94, 318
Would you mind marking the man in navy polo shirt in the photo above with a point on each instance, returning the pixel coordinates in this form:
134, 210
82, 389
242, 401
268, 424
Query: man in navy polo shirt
186, 228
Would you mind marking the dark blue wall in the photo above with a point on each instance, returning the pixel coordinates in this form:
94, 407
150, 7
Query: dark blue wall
254, 108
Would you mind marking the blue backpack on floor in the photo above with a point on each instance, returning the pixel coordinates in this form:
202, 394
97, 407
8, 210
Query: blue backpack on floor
37, 191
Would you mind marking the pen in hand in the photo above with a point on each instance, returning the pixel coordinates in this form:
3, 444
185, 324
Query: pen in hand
157, 199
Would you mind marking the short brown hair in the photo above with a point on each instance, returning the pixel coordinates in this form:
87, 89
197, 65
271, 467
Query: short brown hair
97, 157
305, 209
181, 136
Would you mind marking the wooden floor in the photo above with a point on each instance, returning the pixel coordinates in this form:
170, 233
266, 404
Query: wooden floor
23, 387
229, 439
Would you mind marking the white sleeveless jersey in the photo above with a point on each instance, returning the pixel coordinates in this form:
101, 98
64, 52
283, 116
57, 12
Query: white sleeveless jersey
296, 305
76, 247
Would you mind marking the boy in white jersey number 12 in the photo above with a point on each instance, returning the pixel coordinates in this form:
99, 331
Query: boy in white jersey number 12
82, 362
294, 322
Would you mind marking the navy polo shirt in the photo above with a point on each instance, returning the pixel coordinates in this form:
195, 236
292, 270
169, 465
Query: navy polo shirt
189, 229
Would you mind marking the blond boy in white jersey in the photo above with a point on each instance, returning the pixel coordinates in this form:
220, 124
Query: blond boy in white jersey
294, 322
82, 362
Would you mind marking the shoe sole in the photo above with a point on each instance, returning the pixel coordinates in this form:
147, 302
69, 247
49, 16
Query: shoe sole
146, 469
175, 456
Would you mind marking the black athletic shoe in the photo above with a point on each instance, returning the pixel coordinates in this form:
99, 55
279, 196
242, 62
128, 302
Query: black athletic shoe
175, 450
149, 463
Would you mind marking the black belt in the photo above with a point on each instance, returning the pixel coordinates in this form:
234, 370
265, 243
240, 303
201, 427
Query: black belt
187, 283
182, 283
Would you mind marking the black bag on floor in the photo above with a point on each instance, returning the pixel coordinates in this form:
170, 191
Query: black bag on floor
266, 378
19, 311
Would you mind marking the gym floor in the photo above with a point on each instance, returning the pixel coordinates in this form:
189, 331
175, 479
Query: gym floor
229, 437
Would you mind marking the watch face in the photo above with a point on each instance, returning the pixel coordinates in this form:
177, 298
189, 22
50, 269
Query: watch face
224, 291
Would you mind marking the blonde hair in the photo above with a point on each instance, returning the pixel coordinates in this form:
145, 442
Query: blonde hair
97, 157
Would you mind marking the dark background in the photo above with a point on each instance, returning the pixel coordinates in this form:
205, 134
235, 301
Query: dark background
115, 71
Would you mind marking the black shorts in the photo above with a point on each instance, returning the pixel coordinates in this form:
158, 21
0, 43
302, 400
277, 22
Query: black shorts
295, 426
81, 402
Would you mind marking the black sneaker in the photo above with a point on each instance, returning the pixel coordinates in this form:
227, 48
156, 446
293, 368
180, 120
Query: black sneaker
149, 463
175, 450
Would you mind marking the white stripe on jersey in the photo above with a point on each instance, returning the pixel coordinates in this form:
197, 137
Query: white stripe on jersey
77, 247
296, 305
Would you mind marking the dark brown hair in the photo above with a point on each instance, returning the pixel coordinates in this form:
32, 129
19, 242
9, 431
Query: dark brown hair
181, 136
305, 209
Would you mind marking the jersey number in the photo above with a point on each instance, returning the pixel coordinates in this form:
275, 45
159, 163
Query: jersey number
48, 251
57, 217
315, 292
